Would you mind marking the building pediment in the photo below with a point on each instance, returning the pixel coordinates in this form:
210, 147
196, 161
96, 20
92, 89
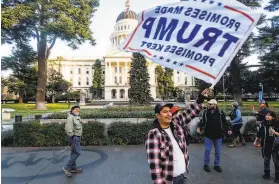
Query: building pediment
118, 53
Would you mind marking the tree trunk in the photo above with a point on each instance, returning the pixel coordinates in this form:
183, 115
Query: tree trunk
235, 72
53, 99
20, 99
42, 78
20, 95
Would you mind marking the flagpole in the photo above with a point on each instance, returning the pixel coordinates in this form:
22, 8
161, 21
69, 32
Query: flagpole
224, 95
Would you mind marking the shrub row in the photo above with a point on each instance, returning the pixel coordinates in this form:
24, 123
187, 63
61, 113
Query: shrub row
127, 133
92, 114
118, 133
108, 113
44, 135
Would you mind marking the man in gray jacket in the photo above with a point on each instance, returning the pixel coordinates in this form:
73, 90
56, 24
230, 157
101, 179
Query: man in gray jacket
73, 129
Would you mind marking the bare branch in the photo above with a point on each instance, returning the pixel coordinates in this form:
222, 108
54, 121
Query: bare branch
37, 34
53, 42
51, 46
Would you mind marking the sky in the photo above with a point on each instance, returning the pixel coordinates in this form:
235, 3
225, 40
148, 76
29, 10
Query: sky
102, 26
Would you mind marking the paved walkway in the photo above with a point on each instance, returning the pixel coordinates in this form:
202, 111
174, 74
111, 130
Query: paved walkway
123, 165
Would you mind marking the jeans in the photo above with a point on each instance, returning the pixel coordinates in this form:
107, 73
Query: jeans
180, 179
75, 152
208, 145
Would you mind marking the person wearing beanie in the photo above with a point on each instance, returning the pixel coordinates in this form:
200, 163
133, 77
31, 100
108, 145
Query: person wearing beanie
214, 123
268, 135
166, 148
260, 116
236, 121
73, 129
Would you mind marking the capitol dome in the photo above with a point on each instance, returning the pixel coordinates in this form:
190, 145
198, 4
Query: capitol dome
126, 22
128, 14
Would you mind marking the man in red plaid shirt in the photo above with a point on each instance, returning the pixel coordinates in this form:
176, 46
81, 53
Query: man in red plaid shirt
166, 147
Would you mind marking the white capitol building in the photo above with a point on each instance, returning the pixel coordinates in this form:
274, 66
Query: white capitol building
116, 65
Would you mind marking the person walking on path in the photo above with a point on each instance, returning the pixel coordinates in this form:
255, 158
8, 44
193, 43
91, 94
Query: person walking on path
73, 129
214, 124
166, 148
268, 135
236, 120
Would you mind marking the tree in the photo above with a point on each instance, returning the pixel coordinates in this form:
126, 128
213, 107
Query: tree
56, 85
4, 83
47, 21
16, 86
159, 72
165, 84
139, 92
245, 51
249, 82
218, 88
98, 81
268, 46
24, 72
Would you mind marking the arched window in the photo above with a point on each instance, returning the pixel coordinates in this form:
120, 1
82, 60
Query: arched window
87, 80
125, 27
113, 94
122, 93
79, 81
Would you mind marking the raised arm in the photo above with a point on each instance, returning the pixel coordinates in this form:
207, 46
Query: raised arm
185, 117
152, 144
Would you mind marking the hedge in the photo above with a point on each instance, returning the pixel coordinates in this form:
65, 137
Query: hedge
124, 112
127, 133
92, 114
45, 135
118, 133
7, 138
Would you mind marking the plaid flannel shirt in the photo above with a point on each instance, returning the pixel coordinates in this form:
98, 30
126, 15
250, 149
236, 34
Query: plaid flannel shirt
160, 150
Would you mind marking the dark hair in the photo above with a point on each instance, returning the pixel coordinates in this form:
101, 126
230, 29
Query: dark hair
74, 107
272, 114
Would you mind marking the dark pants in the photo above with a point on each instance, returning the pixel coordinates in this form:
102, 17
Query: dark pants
180, 179
208, 145
275, 158
236, 132
75, 152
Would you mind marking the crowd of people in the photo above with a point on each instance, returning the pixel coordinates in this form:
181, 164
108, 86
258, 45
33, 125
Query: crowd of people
167, 142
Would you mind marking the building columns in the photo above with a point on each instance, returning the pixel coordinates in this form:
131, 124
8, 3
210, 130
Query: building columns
118, 73
125, 73
109, 74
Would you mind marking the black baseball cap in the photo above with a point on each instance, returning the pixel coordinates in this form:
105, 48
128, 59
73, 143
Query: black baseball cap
160, 106
75, 107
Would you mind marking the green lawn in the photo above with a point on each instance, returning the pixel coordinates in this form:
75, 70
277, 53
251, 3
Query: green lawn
29, 109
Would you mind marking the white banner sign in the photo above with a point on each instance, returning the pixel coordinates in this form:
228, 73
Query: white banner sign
198, 37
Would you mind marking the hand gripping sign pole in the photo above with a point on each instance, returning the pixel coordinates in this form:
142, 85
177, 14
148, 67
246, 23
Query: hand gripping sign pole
198, 37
